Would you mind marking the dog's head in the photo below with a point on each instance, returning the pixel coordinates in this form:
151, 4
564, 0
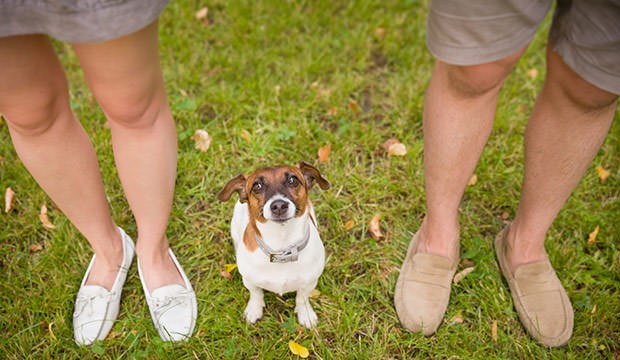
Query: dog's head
277, 193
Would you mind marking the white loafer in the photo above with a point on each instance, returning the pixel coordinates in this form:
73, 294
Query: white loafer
96, 308
173, 307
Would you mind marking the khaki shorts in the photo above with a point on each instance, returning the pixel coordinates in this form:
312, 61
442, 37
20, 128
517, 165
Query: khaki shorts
586, 33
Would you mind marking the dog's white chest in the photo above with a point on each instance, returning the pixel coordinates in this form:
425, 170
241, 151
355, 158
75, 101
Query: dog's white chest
279, 278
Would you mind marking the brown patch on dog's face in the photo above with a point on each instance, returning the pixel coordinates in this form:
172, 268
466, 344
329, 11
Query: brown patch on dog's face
264, 183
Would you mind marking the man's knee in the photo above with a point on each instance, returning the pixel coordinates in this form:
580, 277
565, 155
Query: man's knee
476, 80
584, 95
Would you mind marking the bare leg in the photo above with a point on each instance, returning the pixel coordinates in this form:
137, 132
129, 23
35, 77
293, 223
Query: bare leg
567, 127
125, 77
54, 147
459, 110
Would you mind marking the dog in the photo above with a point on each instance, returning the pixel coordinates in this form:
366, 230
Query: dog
275, 235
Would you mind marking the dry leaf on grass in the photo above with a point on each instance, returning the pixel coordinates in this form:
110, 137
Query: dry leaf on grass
461, 274
354, 107
35, 248
379, 33
9, 199
394, 147
44, 219
245, 135
348, 225
532, 73
324, 152
225, 274
603, 173
592, 236
202, 140
202, 15
298, 349
332, 111
374, 228
457, 319
494, 331
314, 293
472, 180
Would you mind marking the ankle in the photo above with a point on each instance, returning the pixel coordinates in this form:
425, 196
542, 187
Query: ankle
152, 252
523, 247
439, 239
111, 256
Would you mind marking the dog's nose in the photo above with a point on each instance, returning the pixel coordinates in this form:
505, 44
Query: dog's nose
279, 207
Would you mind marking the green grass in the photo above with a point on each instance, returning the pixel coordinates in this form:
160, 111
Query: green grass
253, 68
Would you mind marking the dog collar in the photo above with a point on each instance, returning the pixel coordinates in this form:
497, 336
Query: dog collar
288, 254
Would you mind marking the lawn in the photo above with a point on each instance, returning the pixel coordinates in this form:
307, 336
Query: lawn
272, 82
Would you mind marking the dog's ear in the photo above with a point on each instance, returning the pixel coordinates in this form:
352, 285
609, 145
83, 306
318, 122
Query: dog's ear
235, 184
312, 174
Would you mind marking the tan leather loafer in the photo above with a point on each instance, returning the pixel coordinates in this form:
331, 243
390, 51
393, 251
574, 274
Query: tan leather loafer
423, 289
541, 302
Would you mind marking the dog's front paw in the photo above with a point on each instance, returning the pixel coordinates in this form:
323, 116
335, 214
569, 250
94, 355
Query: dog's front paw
253, 312
306, 316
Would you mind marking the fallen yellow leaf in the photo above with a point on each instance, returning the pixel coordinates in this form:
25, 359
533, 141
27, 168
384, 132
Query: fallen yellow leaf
298, 349
44, 219
532, 73
472, 180
592, 236
245, 135
494, 331
314, 293
324, 152
202, 140
374, 228
348, 225
230, 267
9, 199
603, 173
332, 111
461, 274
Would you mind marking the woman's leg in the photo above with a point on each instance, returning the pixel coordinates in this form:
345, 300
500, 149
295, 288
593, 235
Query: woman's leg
54, 147
125, 77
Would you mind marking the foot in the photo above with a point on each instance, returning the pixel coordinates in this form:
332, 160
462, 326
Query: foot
305, 314
253, 311
423, 288
538, 295
173, 307
96, 307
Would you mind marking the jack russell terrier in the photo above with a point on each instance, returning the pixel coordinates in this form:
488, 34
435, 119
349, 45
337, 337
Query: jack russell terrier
274, 231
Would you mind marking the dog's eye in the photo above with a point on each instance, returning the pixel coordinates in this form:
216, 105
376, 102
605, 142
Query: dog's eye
293, 181
257, 188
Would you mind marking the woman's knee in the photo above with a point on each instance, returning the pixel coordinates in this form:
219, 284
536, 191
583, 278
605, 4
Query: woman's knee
36, 115
138, 110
